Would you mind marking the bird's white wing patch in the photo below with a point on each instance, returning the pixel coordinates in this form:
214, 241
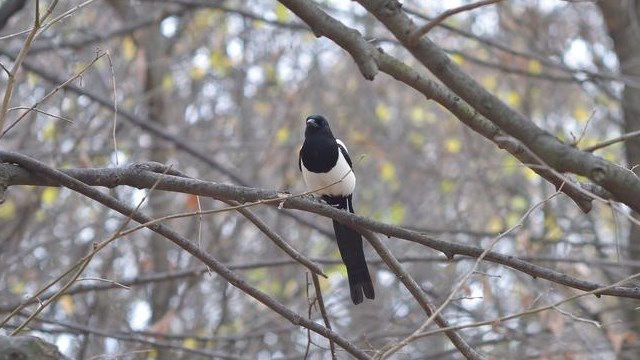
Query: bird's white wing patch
339, 181
342, 144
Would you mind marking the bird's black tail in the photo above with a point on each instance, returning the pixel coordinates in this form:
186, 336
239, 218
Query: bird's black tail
350, 245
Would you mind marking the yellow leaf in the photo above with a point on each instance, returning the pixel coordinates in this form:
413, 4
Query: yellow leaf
416, 140
581, 115
535, 67
609, 156
271, 74
203, 19
417, 115
509, 165
282, 13
50, 131
49, 195
512, 219
196, 73
167, 82
68, 306
457, 58
128, 48
453, 145
490, 82
383, 113
388, 171
514, 99
18, 287
519, 203
431, 117
282, 135
553, 230
495, 224
8, 210
219, 61
397, 213
447, 186
529, 174
190, 343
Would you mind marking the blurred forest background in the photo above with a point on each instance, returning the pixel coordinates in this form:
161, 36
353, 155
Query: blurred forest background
219, 90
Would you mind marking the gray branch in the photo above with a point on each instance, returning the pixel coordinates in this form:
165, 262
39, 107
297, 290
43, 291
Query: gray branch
143, 176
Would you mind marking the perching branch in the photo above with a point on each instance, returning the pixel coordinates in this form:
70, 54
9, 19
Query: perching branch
139, 176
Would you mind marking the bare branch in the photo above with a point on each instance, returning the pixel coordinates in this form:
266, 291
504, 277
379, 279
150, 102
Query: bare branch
137, 176
424, 29
20, 58
415, 290
349, 39
218, 267
622, 183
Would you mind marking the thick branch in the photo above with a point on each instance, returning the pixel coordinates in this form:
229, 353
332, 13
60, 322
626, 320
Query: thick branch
622, 183
138, 176
347, 38
404, 73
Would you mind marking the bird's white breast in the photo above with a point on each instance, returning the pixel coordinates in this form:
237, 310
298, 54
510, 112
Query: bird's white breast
341, 175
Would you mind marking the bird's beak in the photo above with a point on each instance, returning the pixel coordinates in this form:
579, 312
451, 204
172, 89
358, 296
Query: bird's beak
312, 122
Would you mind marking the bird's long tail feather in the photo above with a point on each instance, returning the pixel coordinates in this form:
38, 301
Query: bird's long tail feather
352, 253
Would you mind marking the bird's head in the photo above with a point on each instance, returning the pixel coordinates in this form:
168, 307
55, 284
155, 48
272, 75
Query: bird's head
317, 124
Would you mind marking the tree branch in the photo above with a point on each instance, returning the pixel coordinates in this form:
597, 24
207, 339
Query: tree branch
418, 294
424, 29
404, 73
43, 171
139, 176
622, 183
347, 38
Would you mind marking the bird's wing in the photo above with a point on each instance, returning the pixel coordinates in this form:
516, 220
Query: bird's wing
344, 151
300, 159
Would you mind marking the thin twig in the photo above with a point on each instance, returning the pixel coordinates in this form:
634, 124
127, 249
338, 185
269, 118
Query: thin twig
577, 318
424, 29
615, 140
81, 264
416, 291
42, 112
57, 295
583, 132
502, 319
323, 312
20, 58
115, 108
91, 278
391, 350
98, 56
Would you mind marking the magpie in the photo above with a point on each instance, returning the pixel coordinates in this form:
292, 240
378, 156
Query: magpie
326, 167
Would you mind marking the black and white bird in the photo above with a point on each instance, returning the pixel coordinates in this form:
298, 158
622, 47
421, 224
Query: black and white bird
326, 167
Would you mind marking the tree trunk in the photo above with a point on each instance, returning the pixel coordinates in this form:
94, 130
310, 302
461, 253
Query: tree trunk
622, 19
